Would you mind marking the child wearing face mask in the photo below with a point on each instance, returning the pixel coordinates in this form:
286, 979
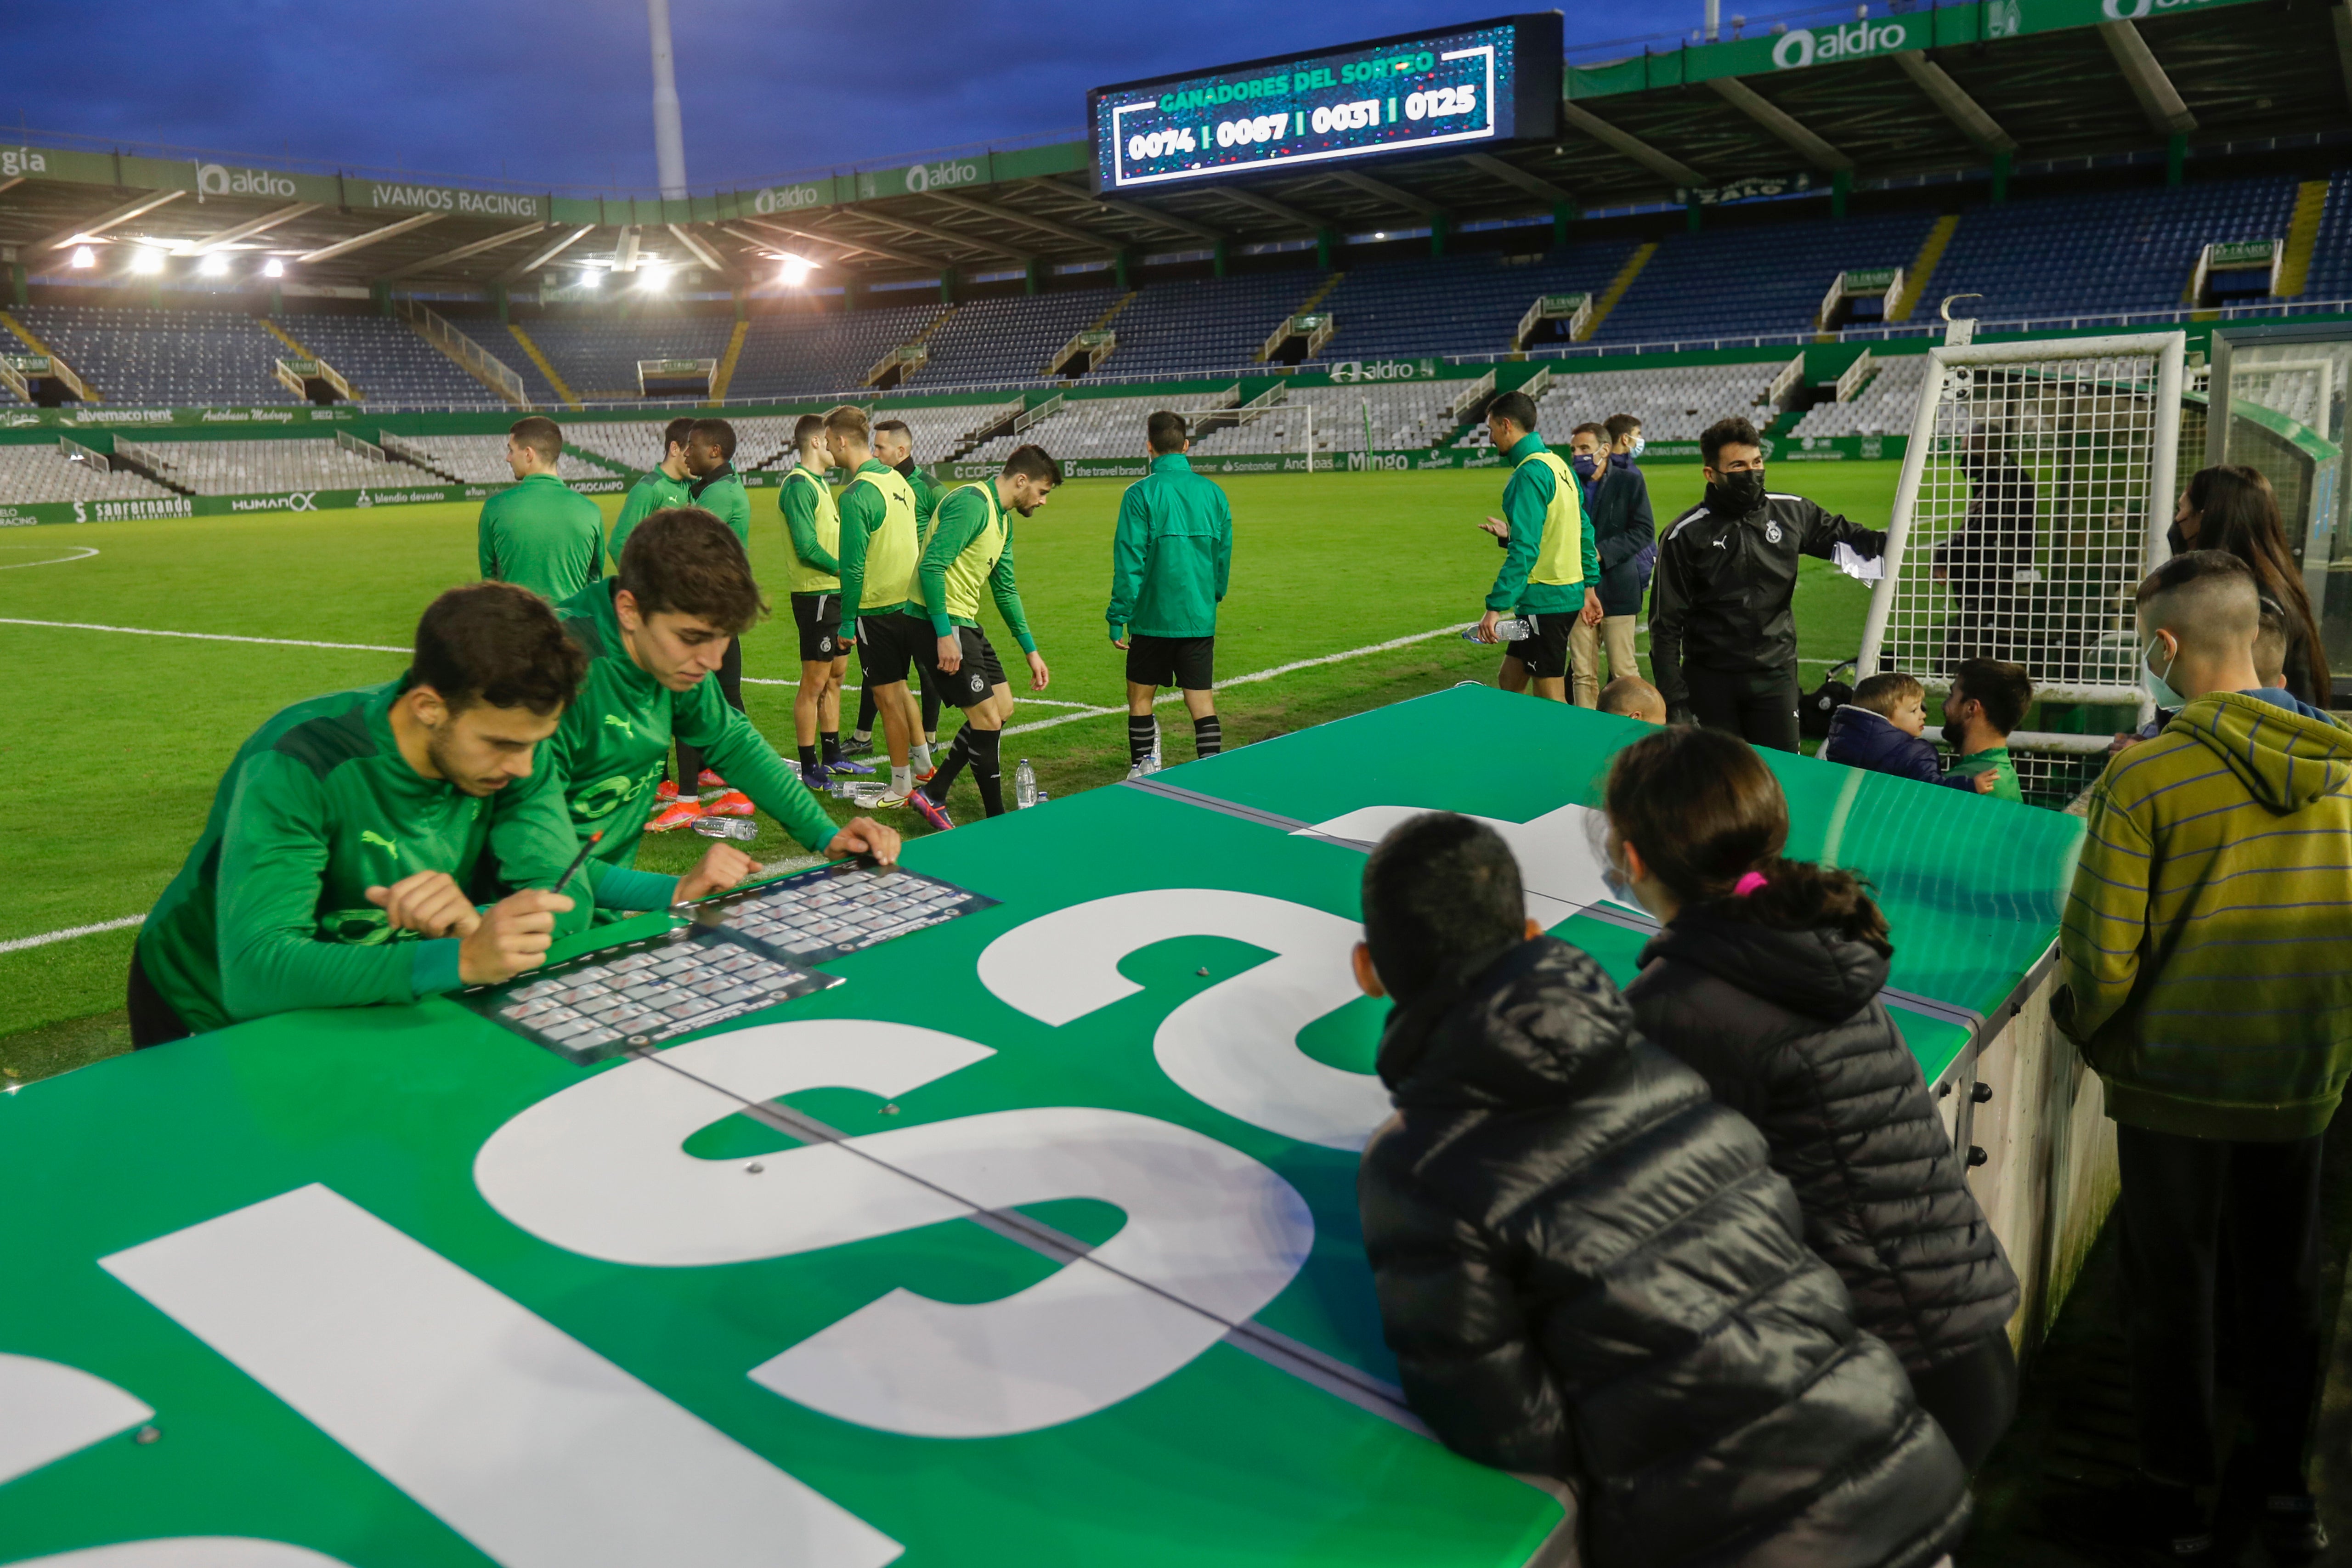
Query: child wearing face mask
1766, 980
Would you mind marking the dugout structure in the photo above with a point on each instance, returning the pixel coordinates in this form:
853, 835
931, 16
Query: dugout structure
2036, 491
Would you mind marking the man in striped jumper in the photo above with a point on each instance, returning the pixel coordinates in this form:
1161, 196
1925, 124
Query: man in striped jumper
2205, 944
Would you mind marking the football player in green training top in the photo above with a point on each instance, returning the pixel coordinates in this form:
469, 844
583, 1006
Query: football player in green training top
970, 545
654, 634
1169, 562
894, 445
539, 532
878, 545
1551, 567
812, 533
710, 458
665, 484
381, 844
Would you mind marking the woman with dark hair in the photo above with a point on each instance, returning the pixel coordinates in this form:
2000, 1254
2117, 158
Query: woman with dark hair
2232, 508
1766, 981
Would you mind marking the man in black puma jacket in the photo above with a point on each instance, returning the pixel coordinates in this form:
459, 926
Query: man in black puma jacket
1589, 1269
1722, 641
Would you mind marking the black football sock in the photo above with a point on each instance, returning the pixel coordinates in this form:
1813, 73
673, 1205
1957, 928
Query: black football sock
984, 774
832, 745
808, 757
866, 712
1208, 736
1140, 732
958, 754
930, 711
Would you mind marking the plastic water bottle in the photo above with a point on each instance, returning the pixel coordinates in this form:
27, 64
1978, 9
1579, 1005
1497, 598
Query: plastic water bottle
741, 828
1150, 764
1517, 629
1025, 785
1042, 798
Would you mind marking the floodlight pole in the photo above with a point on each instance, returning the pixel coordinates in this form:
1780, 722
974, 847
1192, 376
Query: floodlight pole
669, 140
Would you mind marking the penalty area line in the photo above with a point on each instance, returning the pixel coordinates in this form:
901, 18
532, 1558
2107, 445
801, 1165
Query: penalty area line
201, 636
18, 944
81, 553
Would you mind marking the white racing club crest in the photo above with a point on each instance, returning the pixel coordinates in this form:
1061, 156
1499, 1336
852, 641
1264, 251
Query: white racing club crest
979, 682
825, 644
1772, 532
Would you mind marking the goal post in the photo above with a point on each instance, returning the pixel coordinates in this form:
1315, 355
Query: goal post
2035, 493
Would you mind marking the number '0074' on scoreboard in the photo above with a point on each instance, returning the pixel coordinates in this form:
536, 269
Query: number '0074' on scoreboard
1494, 82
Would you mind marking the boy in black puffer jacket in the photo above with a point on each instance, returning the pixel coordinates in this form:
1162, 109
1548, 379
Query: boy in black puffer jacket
1588, 1268
1766, 980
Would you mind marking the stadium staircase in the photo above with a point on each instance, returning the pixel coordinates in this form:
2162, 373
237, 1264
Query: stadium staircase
726, 372
1619, 284
1922, 270
25, 335
929, 327
2302, 238
1306, 306
531, 352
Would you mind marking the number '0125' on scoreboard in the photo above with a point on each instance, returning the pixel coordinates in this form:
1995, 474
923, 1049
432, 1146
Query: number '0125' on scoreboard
1493, 82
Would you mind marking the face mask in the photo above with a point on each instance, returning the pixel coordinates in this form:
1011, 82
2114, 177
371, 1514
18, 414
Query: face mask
1743, 490
1582, 463
2176, 540
1638, 445
2157, 686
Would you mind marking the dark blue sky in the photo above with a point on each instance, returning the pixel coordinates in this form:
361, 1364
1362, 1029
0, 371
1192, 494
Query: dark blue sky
544, 91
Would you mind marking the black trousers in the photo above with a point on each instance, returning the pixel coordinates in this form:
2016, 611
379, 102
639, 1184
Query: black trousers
731, 685
2181, 1196
1758, 706
153, 1021
1973, 1397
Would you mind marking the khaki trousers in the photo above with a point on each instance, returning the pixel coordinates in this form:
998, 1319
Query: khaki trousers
1584, 643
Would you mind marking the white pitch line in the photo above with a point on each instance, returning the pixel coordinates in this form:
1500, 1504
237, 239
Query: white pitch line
1038, 701
203, 636
81, 552
18, 944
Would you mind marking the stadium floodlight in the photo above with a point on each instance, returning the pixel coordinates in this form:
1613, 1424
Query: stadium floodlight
653, 277
84, 256
590, 277
2036, 489
274, 267
795, 270
213, 264
146, 258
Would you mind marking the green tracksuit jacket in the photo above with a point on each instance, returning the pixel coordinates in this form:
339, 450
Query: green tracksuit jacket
1527, 499
608, 754
655, 492
926, 492
271, 913
1172, 553
2204, 942
542, 535
721, 494
954, 564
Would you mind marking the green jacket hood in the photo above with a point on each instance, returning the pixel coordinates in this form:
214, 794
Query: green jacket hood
2285, 760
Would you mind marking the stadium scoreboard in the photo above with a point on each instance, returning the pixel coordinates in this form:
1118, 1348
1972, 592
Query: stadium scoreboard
1493, 82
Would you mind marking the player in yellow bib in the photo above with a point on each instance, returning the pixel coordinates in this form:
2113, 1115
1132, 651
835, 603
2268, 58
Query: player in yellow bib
812, 531
1551, 567
878, 546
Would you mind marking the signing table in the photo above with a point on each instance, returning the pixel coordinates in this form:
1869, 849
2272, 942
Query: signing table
1032, 1240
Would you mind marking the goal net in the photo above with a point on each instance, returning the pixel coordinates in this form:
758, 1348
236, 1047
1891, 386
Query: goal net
2036, 494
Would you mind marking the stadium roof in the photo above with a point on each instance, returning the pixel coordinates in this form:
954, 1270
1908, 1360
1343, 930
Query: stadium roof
1899, 95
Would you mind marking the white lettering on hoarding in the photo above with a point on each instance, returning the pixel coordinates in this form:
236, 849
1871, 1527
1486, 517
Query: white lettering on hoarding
787, 198
440, 199
1803, 46
214, 180
15, 161
937, 176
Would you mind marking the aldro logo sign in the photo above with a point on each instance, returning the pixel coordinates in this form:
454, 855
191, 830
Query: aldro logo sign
1802, 46
214, 180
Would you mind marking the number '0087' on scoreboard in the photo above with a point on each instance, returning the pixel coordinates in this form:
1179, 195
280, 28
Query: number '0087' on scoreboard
1494, 82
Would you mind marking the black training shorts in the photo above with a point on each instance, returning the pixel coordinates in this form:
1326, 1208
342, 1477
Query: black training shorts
1546, 652
980, 674
887, 644
1187, 663
818, 616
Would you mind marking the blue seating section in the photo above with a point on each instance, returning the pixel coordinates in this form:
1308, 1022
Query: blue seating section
1008, 338
2111, 250
1733, 283
157, 359
796, 353
387, 362
599, 359
1400, 309
2331, 258
1208, 325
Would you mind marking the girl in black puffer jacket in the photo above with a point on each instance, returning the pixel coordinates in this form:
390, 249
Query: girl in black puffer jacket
1589, 1269
1766, 980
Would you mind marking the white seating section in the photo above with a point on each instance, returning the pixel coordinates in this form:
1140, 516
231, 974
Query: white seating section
1090, 427
1674, 403
1404, 416
31, 475
936, 432
1883, 407
482, 459
636, 442
259, 467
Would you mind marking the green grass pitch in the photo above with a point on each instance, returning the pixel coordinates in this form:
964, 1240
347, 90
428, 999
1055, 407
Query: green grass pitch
119, 738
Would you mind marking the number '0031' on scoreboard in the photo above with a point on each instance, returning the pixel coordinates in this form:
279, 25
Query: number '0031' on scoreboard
1493, 82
